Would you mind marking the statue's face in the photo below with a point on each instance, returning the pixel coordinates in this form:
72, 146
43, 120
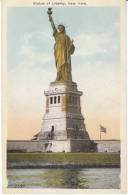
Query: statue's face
61, 28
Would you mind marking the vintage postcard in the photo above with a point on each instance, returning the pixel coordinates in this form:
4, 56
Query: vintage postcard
64, 99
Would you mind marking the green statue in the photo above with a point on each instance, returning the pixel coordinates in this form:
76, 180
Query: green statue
63, 49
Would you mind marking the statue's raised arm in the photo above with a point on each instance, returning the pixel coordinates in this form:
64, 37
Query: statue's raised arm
49, 12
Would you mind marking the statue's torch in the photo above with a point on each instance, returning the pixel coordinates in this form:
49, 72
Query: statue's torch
49, 12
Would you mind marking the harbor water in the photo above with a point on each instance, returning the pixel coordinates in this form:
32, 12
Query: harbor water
84, 178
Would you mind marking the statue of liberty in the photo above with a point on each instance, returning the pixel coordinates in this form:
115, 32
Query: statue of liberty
63, 49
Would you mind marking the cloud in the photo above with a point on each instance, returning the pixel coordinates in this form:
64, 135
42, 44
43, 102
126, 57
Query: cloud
28, 38
88, 45
116, 26
92, 44
30, 55
29, 51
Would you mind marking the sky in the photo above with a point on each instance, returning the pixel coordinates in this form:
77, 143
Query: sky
95, 66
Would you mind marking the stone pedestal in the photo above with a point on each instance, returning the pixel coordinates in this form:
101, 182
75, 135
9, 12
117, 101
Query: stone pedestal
63, 120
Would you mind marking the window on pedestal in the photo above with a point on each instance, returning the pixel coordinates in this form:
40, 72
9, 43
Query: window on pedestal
70, 99
58, 99
54, 99
51, 100
77, 128
75, 100
52, 129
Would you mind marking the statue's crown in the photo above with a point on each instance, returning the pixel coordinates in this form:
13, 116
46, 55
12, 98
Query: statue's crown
61, 25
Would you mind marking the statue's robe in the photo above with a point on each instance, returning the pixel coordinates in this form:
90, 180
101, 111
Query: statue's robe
63, 49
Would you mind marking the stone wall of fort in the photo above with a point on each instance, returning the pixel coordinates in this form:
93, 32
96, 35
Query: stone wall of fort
63, 146
108, 145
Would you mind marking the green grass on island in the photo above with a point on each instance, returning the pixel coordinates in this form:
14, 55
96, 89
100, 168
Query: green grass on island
75, 158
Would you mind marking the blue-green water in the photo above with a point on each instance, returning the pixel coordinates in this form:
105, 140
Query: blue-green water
89, 178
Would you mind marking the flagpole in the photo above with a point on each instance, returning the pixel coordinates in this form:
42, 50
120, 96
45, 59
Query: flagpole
102, 129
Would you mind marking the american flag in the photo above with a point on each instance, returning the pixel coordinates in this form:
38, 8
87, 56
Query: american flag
103, 129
